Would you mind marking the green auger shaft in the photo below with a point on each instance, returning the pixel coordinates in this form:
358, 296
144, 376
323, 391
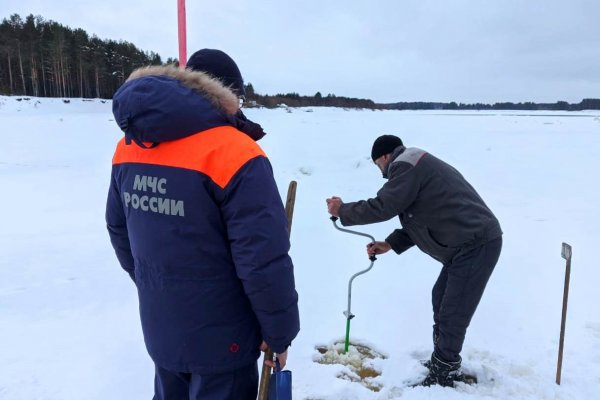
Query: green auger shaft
347, 335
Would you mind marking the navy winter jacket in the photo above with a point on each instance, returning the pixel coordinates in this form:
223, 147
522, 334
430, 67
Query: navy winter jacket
195, 218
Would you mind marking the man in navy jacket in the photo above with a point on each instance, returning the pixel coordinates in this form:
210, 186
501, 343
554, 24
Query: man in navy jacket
195, 218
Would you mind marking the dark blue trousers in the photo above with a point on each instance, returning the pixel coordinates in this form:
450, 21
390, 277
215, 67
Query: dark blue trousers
457, 293
241, 384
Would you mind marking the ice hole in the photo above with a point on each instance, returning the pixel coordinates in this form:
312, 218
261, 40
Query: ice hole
359, 360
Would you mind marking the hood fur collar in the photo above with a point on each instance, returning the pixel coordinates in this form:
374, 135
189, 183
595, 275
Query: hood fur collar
211, 88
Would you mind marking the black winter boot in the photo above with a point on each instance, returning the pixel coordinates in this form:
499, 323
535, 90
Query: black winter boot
442, 373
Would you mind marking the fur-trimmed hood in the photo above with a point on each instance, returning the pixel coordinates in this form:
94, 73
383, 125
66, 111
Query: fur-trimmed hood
212, 88
162, 103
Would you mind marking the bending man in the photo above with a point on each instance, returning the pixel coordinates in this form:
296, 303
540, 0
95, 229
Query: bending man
443, 215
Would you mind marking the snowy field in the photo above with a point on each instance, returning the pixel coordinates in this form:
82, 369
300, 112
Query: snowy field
69, 326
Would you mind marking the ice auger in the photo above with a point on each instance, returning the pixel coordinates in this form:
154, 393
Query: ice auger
348, 312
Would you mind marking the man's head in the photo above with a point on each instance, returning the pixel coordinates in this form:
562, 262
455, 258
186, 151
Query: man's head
382, 149
219, 65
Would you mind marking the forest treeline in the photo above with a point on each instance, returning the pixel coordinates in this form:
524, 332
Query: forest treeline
46, 59
331, 100
585, 104
43, 58
296, 100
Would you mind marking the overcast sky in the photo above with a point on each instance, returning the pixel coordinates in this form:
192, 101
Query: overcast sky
388, 50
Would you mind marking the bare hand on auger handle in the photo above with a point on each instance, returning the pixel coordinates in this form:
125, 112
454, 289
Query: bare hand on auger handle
333, 207
374, 248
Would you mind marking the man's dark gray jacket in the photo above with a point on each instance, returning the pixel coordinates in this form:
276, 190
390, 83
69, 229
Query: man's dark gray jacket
439, 210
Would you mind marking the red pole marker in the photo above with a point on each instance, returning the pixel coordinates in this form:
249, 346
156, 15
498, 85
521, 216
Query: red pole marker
181, 33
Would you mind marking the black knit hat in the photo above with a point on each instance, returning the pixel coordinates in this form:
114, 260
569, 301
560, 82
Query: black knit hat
385, 145
219, 65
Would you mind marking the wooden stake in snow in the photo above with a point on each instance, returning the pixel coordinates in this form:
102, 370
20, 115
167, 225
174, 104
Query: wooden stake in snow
182, 36
566, 254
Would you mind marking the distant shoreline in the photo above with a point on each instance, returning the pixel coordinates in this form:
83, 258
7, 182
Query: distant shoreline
33, 100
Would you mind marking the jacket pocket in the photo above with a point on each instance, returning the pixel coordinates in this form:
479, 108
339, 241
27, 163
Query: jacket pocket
427, 243
437, 242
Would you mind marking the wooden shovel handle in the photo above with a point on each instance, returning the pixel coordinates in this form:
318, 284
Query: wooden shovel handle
265, 377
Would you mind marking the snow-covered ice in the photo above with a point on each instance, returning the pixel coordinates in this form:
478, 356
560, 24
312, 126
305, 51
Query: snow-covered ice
69, 326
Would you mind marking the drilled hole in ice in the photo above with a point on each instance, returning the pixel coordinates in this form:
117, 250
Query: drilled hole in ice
359, 360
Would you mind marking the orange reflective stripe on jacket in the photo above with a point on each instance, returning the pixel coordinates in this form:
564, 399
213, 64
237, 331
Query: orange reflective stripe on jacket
218, 153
